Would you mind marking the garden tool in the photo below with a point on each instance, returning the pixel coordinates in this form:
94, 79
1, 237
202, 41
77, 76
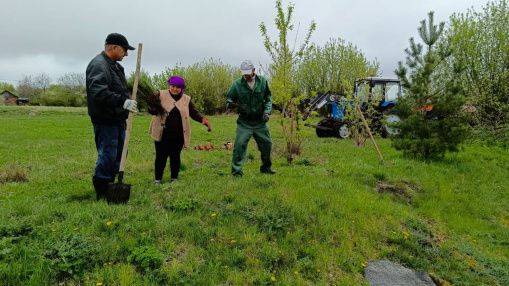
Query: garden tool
119, 192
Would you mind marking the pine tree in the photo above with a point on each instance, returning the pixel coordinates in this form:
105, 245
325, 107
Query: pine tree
432, 122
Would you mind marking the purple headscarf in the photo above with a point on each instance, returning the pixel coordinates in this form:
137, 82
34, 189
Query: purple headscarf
177, 81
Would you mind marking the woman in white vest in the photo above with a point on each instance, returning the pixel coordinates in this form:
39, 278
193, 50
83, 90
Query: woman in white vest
171, 126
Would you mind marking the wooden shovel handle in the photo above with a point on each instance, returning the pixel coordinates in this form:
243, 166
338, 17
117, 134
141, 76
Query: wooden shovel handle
370, 134
131, 114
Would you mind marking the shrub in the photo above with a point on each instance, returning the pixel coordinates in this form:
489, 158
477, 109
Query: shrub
480, 41
71, 256
333, 67
146, 258
60, 96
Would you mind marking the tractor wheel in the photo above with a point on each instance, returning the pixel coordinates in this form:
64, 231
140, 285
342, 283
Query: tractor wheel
328, 124
343, 131
388, 129
321, 133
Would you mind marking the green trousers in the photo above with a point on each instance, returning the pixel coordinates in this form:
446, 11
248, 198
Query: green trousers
261, 134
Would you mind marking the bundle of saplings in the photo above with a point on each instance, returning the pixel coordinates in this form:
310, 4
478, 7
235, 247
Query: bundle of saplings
146, 91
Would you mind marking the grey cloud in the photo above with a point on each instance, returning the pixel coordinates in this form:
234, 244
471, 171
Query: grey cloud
58, 36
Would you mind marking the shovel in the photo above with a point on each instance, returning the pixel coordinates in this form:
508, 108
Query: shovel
118, 193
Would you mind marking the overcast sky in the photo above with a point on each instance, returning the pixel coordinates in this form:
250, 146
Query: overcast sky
59, 36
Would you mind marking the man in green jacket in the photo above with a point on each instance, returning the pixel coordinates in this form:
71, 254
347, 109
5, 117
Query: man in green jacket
252, 96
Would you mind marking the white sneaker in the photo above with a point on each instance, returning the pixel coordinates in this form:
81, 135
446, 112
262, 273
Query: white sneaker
157, 182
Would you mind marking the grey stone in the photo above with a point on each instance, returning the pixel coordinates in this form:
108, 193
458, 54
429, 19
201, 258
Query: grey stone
387, 273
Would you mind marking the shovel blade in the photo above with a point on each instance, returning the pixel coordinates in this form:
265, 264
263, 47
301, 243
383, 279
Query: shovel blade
118, 193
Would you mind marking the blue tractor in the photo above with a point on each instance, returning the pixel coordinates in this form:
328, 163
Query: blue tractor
333, 106
380, 93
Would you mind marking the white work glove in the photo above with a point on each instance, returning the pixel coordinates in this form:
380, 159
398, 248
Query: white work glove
131, 105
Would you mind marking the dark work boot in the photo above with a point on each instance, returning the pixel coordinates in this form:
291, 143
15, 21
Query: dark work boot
100, 186
266, 169
237, 174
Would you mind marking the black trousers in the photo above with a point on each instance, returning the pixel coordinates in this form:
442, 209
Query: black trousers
168, 147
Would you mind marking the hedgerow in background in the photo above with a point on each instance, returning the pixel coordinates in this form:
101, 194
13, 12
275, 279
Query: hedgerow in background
333, 67
73, 81
282, 72
32, 86
432, 122
7, 86
206, 82
480, 42
69, 90
58, 95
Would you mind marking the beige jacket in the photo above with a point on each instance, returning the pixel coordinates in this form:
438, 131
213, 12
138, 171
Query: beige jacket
168, 103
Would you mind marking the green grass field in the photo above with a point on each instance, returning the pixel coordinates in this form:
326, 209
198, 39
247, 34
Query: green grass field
318, 221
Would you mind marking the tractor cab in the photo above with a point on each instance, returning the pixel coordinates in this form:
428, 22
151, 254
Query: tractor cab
382, 95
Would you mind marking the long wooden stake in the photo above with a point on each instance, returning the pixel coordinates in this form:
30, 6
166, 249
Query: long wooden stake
131, 114
370, 134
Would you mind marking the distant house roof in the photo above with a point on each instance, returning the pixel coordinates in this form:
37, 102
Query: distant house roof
5, 93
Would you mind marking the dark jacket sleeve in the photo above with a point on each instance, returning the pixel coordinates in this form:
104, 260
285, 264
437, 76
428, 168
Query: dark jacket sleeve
195, 115
99, 80
152, 110
232, 95
154, 104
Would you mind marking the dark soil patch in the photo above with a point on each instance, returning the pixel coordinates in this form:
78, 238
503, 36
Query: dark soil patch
401, 190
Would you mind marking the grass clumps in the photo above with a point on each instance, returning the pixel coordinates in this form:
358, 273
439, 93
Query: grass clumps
13, 173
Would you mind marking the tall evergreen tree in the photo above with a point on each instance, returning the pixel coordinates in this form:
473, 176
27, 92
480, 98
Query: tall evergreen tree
432, 121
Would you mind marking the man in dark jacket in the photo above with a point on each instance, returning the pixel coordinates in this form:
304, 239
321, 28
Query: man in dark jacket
108, 107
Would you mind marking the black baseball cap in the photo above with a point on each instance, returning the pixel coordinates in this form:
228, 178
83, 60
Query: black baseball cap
119, 40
